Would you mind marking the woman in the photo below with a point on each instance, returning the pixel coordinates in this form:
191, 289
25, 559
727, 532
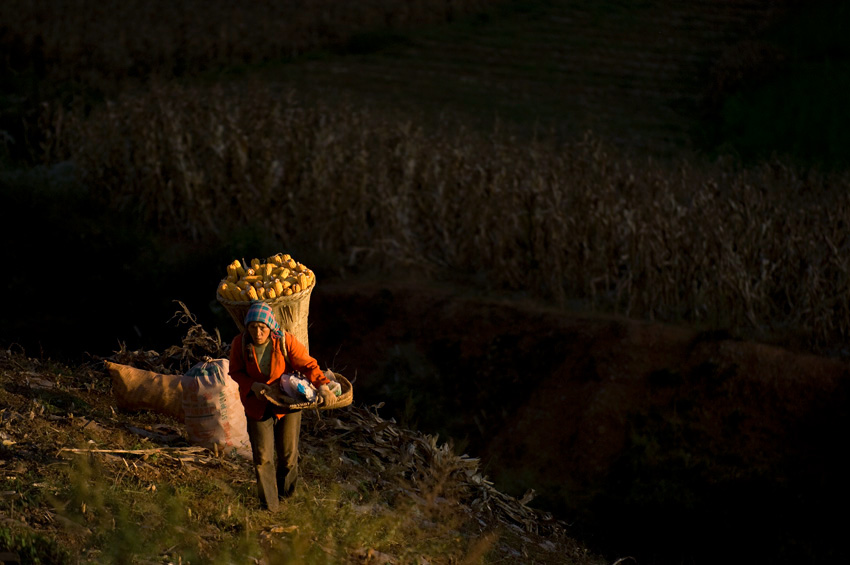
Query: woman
258, 357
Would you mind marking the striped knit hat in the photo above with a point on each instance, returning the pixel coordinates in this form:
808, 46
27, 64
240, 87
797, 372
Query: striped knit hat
262, 312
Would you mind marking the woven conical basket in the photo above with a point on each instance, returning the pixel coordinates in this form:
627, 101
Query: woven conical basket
291, 312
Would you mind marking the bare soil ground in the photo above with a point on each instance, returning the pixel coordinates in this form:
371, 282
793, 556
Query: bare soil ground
660, 436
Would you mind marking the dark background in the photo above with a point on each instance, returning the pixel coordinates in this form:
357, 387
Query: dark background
751, 80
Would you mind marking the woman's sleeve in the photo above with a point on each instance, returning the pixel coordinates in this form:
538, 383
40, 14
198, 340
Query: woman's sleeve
302, 361
237, 368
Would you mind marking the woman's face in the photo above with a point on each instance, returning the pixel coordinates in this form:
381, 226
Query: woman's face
259, 332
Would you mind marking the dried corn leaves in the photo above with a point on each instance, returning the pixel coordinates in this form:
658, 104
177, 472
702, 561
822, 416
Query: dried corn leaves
410, 462
433, 473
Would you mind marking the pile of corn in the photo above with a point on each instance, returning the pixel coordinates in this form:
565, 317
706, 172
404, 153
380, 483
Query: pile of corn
280, 275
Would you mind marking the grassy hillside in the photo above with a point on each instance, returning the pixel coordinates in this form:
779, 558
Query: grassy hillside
84, 482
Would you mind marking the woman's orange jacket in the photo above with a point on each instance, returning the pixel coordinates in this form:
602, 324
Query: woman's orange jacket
245, 370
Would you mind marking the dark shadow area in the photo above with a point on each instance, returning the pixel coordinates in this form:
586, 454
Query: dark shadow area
783, 93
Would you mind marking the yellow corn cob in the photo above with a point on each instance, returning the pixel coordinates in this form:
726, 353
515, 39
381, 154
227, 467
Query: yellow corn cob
224, 290
279, 275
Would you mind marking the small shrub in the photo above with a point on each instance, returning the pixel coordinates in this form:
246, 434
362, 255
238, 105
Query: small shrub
32, 548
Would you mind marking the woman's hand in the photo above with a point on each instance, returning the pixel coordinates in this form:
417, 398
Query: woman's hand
259, 388
326, 395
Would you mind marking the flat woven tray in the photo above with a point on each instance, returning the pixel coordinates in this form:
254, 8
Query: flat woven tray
276, 396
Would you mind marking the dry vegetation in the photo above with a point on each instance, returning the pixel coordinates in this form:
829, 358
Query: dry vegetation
85, 483
761, 250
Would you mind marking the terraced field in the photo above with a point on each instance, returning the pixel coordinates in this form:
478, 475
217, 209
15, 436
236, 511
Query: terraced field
635, 73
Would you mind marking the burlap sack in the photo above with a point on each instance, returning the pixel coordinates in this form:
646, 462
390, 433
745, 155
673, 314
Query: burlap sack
215, 417
137, 389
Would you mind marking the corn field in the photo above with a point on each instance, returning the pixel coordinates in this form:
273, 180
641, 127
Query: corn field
762, 250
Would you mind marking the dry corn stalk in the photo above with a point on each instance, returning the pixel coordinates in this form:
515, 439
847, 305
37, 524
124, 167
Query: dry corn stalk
758, 249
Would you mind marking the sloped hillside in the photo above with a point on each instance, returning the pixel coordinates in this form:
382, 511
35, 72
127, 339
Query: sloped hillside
86, 483
653, 440
638, 75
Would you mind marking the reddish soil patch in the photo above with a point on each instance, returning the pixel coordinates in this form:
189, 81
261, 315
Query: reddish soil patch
657, 435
